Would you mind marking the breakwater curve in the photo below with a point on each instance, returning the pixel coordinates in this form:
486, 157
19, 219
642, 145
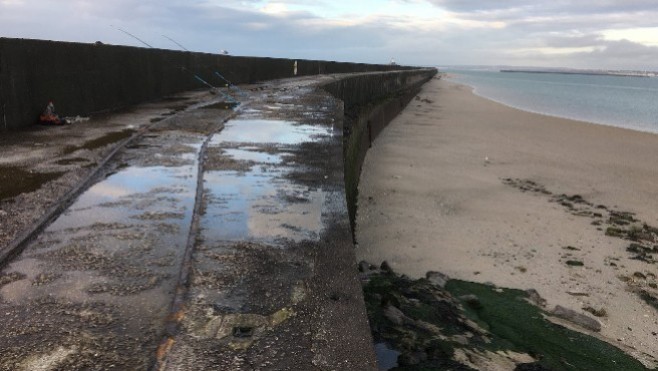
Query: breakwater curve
268, 274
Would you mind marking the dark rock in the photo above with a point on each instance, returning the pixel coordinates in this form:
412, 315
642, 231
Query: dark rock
650, 229
649, 298
386, 267
614, 232
637, 248
617, 221
642, 252
597, 312
535, 298
623, 215
576, 199
577, 293
644, 236
621, 218
639, 275
412, 359
575, 263
364, 266
577, 318
396, 316
535, 366
472, 301
437, 278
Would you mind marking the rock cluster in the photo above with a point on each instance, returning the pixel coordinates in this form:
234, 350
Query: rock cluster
436, 323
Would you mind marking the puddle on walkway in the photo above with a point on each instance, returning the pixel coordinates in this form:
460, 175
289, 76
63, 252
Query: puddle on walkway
221, 105
269, 131
101, 141
138, 217
118, 247
132, 194
15, 181
260, 204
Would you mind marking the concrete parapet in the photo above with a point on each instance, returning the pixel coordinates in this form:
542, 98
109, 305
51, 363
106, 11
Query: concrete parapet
87, 78
371, 101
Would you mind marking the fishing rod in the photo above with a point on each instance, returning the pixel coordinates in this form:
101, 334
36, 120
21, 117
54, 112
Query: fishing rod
133, 36
212, 88
198, 78
175, 42
230, 84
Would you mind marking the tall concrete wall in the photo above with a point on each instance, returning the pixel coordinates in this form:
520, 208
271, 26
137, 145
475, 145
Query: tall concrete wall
371, 101
87, 78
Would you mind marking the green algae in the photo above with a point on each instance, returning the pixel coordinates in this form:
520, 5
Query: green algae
518, 325
429, 325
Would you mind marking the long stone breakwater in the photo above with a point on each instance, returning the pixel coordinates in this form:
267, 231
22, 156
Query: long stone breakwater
193, 232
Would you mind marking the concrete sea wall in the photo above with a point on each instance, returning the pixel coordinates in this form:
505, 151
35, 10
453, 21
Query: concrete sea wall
371, 101
86, 78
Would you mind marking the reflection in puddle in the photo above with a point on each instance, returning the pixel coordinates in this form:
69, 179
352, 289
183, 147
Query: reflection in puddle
261, 204
386, 358
268, 131
254, 155
120, 242
131, 192
256, 205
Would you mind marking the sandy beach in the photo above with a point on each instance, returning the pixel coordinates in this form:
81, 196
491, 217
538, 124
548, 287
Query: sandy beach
487, 193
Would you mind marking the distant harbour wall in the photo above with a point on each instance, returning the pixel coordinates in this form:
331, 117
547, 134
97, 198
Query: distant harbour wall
88, 78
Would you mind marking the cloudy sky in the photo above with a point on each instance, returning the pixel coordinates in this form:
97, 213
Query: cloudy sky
616, 34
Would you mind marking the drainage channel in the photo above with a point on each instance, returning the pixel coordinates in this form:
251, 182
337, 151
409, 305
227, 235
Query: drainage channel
93, 290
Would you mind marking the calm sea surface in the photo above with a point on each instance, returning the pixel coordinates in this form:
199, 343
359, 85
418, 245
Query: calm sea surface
628, 102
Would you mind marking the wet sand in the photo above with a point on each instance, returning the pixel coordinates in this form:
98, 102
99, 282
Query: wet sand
434, 197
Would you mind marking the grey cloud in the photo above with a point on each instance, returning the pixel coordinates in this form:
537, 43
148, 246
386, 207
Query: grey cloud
211, 25
621, 54
574, 41
547, 7
479, 5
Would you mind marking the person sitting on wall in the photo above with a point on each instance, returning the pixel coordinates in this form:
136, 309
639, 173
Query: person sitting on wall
49, 117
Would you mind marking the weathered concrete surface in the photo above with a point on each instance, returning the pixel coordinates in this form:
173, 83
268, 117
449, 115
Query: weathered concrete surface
94, 289
367, 112
275, 220
39, 167
87, 78
272, 280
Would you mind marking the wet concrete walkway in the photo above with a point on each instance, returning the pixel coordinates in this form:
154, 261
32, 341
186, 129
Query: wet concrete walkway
243, 229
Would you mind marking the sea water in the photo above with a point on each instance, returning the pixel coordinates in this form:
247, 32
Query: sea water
622, 101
